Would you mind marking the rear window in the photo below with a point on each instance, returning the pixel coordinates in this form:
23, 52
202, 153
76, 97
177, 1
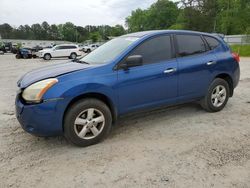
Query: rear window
190, 45
212, 42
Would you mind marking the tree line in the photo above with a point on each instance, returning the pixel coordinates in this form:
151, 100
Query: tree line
67, 32
221, 16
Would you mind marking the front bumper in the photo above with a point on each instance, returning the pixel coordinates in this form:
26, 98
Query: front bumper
43, 119
39, 54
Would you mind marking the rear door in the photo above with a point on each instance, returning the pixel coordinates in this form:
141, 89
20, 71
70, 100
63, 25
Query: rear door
67, 51
195, 65
58, 52
70, 49
152, 84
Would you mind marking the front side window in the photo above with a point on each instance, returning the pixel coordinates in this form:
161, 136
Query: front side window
58, 47
155, 50
212, 42
190, 45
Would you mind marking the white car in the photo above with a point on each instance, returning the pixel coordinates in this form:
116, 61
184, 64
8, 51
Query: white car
64, 50
90, 48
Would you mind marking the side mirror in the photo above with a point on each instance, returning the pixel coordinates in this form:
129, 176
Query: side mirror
132, 61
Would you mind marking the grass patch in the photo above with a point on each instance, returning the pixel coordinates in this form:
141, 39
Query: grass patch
243, 50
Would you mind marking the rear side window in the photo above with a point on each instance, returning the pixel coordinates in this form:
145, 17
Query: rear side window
190, 45
155, 50
212, 42
69, 47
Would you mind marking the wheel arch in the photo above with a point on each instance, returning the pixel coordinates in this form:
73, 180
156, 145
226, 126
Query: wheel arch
229, 80
98, 96
48, 54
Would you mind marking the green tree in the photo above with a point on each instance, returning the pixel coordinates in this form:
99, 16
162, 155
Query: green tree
137, 21
117, 30
95, 36
68, 31
37, 31
162, 14
5, 30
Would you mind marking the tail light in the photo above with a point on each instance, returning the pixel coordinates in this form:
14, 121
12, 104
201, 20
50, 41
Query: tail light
236, 57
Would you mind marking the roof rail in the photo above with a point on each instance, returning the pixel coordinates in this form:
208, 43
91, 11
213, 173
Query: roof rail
221, 35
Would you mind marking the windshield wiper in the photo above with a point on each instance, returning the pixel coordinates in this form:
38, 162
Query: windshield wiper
80, 61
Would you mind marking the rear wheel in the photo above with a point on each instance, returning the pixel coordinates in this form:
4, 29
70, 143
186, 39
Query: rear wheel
87, 122
73, 56
47, 57
217, 96
88, 50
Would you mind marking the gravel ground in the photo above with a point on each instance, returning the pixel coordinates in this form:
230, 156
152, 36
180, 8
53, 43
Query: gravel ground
180, 146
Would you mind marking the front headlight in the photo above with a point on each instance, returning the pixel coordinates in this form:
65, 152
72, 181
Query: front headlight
35, 92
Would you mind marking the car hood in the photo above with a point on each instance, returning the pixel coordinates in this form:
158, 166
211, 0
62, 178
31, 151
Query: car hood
50, 72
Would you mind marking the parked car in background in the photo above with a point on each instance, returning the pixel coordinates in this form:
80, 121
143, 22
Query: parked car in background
5, 47
14, 49
24, 53
139, 71
37, 48
90, 48
64, 50
8, 46
2, 49
46, 47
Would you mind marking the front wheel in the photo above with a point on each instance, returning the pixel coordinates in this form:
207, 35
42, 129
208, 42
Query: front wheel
47, 57
87, 122
217, 96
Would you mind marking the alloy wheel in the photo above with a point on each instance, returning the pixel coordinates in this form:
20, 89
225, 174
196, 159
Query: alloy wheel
89, 123
219, 96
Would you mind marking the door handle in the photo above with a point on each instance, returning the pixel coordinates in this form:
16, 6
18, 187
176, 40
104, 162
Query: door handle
168, 71
211, 63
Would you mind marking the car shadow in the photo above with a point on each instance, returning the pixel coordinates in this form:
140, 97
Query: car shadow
128, 123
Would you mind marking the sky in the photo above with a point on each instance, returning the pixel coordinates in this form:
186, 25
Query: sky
79, 12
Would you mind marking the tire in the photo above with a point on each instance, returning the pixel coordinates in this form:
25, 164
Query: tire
80, 125
73, 56
217, 96
25, 56
47, 57
88, 50
18, 56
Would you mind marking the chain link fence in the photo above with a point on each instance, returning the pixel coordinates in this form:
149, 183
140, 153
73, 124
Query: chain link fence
237, 39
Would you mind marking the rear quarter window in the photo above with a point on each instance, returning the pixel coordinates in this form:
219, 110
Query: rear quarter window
212, 42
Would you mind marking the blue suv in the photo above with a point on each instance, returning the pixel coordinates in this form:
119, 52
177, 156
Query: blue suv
82, 99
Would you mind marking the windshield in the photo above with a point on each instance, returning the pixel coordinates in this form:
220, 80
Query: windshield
108, 51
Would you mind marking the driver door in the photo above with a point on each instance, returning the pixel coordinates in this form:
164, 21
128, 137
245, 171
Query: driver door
154, 83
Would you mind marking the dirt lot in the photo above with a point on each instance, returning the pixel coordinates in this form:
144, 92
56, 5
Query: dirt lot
181, 146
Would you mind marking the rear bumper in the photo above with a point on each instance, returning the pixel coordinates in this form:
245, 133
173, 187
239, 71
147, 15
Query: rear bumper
43, 119
236, 77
